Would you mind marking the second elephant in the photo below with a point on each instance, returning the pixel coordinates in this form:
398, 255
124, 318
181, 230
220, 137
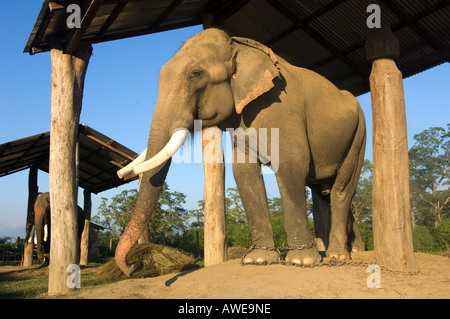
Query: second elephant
42, 224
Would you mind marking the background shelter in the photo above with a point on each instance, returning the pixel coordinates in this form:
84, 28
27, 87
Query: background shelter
329, 37
99, 157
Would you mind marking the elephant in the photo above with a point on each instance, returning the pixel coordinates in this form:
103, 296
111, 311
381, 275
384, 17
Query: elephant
42, 223
232, 83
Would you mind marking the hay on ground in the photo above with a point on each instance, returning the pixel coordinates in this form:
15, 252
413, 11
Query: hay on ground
236, 252
151, 260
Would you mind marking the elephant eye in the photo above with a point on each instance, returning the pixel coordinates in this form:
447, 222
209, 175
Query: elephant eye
196, 74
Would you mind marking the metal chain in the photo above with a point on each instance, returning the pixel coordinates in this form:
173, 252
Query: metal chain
296, 247
326, 262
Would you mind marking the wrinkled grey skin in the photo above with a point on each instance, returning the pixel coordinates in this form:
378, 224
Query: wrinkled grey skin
42, 218
235, 82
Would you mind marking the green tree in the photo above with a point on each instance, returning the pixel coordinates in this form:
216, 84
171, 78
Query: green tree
276, 216
429, 161
233, 207
114, 216
168, 219
362, 201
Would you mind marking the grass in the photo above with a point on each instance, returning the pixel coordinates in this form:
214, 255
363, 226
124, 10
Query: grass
32, 286
23, 288
151, 260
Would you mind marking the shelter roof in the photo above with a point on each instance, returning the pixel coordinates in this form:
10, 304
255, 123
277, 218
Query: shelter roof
327, 36
99, 158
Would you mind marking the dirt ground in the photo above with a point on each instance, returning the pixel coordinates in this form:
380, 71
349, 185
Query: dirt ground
230, 280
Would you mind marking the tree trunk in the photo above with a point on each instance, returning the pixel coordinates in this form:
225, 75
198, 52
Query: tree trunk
215, 234
67, 82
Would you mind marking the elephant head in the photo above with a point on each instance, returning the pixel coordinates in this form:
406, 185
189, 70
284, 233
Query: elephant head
211, 78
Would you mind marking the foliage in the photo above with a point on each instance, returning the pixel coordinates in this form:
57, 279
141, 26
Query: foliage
362, 201
423, 239
167, 220
429, 172
168, 217
116, 215
366, 231
7, 242
443, 235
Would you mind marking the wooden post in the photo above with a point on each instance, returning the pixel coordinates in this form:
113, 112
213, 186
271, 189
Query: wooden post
215, 233
84, 242
33, 188
215, 230
67, 82
390, 201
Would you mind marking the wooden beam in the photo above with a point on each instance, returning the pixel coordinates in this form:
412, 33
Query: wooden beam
67, 82
399, 26
229, 11
307, 20
318, 38
112, 17
76, 35
108, 145
135, 33
55, 6
427, 38
52, 7
170, 9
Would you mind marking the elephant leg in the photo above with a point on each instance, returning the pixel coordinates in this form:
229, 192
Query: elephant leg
251, 188
355, 241
39, 226
341, 197
322, 219
291, 183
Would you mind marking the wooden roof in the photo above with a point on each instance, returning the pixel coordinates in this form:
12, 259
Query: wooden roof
99, 158
327, 36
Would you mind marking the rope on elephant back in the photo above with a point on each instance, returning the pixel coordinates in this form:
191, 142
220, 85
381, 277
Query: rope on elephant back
325, 262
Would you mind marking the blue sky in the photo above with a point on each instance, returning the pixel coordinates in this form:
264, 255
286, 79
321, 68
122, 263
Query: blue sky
121, 89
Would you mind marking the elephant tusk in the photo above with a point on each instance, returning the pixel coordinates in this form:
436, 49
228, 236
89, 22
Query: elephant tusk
174, 144
127, 170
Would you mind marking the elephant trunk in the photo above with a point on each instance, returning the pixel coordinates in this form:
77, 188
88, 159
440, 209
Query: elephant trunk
151, 182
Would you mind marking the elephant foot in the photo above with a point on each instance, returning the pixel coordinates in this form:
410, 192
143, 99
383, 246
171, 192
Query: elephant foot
261, 256
340, 254
303, 257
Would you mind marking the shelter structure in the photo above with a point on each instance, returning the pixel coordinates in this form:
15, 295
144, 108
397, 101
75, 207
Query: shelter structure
329, 37
98, 158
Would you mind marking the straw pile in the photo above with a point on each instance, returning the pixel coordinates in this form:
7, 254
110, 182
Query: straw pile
236, 252
151, 260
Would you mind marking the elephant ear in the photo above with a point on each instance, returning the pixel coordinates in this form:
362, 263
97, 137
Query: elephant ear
255, 68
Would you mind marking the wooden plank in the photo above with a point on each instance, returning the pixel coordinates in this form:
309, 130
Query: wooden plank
108, 145
77, 33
